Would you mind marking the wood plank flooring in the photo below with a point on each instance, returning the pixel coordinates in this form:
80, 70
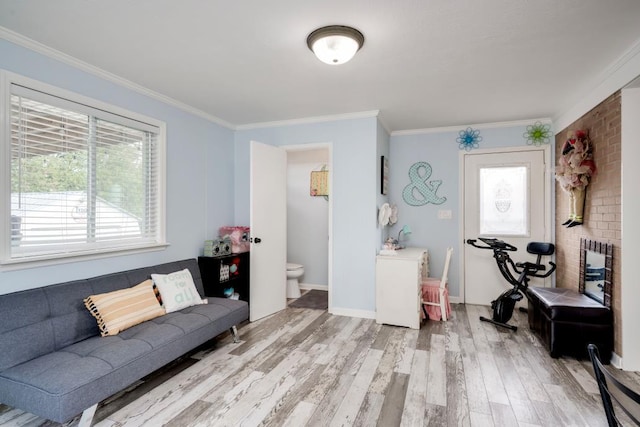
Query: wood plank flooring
306, 367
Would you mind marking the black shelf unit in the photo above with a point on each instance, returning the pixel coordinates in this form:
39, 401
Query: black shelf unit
210, 271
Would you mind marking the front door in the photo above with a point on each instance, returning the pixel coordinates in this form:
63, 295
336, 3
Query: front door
504, 197
268, 210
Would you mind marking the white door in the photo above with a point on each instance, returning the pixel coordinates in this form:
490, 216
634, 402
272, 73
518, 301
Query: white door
504, 197
268, 210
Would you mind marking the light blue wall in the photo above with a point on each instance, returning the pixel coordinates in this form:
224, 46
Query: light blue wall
383, 149
354, 196
199, 170
441, 151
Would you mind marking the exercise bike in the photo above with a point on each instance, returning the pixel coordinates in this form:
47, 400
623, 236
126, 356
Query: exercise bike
503, 305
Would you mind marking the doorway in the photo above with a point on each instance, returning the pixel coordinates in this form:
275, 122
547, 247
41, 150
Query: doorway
309, 216
506, 194
268, 222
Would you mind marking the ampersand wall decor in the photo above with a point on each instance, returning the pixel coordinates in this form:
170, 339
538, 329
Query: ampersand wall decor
420, 190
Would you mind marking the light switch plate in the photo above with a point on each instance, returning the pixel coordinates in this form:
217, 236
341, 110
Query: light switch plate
444, 214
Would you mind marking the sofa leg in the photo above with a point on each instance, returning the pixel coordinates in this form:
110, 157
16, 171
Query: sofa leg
87, 416
234, 332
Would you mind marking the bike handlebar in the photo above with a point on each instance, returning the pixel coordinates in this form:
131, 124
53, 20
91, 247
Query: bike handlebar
551, 270
500, 245
492, 244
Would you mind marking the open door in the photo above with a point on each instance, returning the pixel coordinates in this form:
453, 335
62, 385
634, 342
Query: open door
268, 222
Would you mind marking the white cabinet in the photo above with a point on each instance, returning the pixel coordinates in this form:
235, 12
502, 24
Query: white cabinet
398, 280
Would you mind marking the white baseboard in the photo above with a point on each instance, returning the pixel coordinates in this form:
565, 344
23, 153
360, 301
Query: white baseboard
363, 314
309, 286
454, 300
616, 360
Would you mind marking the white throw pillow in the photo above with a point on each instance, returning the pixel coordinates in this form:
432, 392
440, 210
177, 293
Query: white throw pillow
177, 290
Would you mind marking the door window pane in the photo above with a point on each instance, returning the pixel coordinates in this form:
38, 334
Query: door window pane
503, 201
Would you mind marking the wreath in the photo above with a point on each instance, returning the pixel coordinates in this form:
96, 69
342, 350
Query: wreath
576, 166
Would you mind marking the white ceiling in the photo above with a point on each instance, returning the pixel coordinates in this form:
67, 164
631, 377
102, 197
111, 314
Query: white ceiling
424, 64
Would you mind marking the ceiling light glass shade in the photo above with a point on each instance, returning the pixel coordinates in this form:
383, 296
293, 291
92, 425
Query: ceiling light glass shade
335, 44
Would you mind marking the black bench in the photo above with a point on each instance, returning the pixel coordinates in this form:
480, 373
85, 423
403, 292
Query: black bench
567, 321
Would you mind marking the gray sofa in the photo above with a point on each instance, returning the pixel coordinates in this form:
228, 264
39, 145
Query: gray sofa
55, 364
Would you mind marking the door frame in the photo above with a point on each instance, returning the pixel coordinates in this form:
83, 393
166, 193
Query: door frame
549, 194
329, 147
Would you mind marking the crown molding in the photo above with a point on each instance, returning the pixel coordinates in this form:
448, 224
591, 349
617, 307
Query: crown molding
384, 124
634, 84
52, 53
310, 120
615, 77
494, 125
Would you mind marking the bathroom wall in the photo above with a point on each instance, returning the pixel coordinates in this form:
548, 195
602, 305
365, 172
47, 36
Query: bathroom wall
307, 218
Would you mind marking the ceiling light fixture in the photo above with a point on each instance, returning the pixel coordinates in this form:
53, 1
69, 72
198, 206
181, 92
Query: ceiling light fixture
335, 44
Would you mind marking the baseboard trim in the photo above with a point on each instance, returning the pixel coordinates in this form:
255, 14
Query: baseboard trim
616, 360
363, 314
454, 300
310, 286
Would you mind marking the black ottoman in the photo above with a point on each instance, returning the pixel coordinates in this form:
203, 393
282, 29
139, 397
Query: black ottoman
567, 321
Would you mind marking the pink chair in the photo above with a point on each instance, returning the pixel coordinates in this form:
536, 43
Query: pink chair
435, 295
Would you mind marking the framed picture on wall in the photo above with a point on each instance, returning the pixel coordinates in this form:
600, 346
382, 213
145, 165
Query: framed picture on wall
319, 183
384, 174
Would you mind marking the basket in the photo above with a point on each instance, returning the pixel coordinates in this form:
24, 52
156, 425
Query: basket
239, 236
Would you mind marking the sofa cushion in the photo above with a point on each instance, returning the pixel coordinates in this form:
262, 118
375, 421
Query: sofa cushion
57, 317
63, 383
55, 364
119, 310
177, 290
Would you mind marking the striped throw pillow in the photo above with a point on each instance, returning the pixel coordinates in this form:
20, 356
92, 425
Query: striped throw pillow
118, 310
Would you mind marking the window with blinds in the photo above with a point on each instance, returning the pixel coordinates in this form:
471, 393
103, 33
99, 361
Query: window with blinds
83, 180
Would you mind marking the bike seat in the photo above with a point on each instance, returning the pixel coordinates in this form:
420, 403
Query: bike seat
541, 248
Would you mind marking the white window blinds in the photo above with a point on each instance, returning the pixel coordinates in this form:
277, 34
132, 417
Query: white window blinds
83, 179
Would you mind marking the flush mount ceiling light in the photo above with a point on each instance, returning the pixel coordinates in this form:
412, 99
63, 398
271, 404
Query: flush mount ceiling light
335, 44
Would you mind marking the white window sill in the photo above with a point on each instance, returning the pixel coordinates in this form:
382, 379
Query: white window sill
46, 260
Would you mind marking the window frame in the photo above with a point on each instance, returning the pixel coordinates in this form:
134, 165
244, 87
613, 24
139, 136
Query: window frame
7, 79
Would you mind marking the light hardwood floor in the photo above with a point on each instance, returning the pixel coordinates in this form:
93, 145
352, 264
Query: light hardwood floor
307, 367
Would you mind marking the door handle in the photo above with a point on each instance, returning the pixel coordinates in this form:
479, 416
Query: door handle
256, 240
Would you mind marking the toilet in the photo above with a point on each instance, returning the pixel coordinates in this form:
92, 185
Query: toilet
294, 272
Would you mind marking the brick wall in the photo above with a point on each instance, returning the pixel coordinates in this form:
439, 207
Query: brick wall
602, 213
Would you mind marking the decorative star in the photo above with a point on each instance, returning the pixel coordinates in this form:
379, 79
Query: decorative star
468, 139
538, 134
